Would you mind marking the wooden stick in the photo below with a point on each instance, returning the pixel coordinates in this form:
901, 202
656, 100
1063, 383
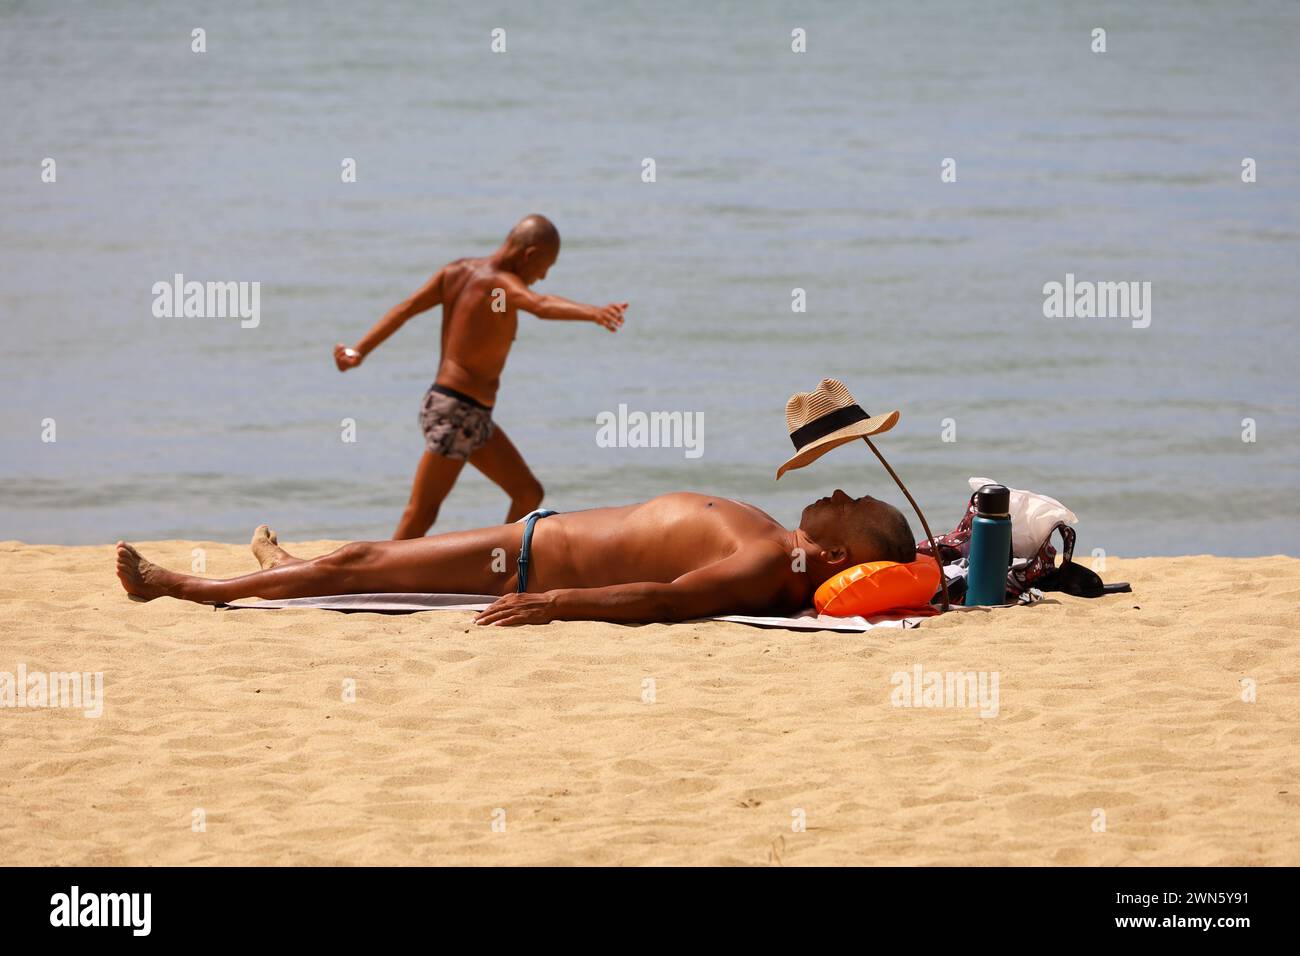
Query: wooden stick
934, 548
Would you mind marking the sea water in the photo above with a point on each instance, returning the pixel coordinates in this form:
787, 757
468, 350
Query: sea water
781, 180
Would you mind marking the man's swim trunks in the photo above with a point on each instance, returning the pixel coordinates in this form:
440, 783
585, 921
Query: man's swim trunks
454, 425
526, 547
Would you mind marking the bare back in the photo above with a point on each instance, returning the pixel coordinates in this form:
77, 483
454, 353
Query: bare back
475, 340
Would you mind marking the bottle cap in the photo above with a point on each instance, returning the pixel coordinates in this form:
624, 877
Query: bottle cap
993, 501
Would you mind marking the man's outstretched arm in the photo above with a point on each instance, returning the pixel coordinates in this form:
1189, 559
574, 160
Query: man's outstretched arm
429, 295
747, 582
557, 307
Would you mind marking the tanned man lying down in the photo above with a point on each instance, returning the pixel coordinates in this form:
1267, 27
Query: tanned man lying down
672, 558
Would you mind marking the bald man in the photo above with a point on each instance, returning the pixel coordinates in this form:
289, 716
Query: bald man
672, 558
481, 300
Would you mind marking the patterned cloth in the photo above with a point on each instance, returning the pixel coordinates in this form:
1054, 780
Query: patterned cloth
1024, 574
455, 426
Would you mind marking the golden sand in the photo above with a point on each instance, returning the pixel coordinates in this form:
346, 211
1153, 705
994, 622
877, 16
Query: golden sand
1121, 734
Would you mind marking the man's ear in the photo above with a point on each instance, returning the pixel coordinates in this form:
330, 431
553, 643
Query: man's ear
835, 556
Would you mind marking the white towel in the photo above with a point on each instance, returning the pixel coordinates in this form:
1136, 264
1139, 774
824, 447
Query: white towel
808, 620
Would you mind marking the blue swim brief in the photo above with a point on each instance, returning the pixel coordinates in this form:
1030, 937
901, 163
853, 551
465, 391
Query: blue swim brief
526, 547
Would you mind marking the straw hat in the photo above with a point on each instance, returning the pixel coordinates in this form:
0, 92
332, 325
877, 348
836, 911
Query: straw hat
826, 418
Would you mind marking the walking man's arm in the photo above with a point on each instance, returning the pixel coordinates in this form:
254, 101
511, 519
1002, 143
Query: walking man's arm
522, 297
429, 295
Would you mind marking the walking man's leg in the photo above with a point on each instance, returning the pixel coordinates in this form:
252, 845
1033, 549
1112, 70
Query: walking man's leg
434, 477
501, 462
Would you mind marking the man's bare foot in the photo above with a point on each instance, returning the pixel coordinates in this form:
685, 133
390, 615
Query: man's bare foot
141, 579
267, 550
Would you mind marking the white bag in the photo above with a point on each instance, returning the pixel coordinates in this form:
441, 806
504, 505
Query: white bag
1032, 517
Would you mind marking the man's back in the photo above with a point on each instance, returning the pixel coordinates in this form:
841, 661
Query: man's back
478, 327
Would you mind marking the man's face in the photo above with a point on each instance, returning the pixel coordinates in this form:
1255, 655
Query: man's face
837, 519
537, 262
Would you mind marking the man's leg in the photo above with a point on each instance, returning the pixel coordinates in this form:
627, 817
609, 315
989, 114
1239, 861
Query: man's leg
434, 477
462, 562
266, 548
501, 462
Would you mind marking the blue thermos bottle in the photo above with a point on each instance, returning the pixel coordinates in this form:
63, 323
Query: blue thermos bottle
990, 547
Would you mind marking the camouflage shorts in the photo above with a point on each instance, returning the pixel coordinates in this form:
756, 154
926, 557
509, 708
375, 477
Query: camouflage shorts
455, 425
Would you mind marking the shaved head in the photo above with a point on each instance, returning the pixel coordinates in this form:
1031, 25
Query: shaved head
884, 531
865, 529
536, 231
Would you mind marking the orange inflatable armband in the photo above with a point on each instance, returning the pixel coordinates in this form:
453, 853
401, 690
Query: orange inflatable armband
867, 589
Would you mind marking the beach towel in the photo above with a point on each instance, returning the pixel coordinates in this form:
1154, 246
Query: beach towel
807, 620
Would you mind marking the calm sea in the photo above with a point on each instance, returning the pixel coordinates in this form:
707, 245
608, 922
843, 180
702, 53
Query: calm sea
774, 171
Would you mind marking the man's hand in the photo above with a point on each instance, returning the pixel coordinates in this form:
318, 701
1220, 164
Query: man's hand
611, 316
346, 358
519, 609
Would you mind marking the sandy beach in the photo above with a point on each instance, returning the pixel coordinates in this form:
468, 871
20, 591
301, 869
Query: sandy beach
1120, 737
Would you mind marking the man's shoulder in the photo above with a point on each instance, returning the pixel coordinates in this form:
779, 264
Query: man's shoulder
762, 576
461, 268
496, 275
774, 567
767, 552
470, 281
